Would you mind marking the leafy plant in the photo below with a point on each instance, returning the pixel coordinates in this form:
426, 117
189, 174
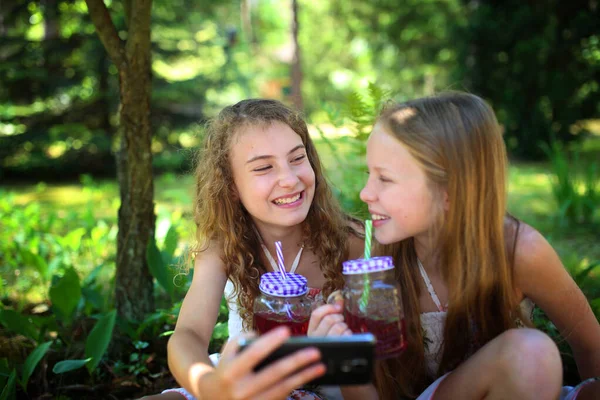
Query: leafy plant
358, 112
99, 339
577, 198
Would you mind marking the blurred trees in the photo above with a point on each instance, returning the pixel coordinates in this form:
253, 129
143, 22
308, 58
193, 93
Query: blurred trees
539, 65
54, 96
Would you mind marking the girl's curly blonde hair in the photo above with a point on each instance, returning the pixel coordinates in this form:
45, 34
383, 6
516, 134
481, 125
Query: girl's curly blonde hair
222, 220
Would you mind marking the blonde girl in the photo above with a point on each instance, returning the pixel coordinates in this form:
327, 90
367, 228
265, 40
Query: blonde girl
469, 272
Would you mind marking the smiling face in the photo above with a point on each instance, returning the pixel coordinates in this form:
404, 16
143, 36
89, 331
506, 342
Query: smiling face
397, 192
272, 174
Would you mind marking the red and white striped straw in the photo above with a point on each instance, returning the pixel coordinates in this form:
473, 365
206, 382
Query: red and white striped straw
280, 264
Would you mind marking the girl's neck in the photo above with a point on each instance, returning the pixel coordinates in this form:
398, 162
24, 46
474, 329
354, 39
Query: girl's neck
427, 254
290, 237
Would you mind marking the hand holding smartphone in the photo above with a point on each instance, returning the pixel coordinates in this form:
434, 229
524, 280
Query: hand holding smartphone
348, 359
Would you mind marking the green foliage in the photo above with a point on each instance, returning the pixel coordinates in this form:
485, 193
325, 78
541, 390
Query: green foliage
32, 361
69, 244
137, 360
69, 365
358, 113
99, 339
221, 331
18, 323
577, 198
158, 268
65, 294
586, 278
540, 74
27, 369
362, 109
8, 392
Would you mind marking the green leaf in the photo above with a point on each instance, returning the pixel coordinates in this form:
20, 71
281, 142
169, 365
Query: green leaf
34, 260
73, 239
93, 298
32, 361
583, 275
154, 319
157, 267
171, 239
99, 339
4, 367
9, 390
65, 293
93, 275
18, 323
69, 365
5, 371
221, 331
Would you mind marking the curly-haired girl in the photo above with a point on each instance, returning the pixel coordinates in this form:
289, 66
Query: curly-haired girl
258, 180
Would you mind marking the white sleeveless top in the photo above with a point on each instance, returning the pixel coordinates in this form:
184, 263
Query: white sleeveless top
433, 326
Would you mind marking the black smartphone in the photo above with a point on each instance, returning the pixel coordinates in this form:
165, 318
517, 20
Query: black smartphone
348, 359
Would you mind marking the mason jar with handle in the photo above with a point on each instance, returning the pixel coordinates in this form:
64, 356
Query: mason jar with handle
372, 303
282, 302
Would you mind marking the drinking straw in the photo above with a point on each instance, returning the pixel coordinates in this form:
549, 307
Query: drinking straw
368, 234
280, 264
283, 273
364, 298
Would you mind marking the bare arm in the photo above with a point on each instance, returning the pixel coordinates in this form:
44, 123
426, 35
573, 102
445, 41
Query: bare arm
188, 346
541, 276
234, 377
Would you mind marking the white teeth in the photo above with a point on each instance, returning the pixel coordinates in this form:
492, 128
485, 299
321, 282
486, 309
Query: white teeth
287, 200
377, 217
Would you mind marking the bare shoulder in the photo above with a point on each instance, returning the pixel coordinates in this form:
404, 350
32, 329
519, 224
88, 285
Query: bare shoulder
538, 269
204, 293
532, 250
209, 256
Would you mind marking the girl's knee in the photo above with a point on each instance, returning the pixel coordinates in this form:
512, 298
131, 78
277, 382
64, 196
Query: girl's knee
529, 343
531, 354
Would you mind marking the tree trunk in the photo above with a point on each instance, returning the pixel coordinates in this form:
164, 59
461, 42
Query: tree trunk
296, 64
133, 287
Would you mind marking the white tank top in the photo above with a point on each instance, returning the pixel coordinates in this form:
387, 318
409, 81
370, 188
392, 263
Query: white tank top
433, 325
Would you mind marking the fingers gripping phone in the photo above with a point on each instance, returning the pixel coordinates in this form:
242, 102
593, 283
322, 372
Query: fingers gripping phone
348, 359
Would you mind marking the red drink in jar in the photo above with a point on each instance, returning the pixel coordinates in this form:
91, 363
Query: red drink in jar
372, 303
390, 335
282, 302
264, 322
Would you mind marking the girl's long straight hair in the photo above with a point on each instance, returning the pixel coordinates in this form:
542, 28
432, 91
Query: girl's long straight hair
457, 140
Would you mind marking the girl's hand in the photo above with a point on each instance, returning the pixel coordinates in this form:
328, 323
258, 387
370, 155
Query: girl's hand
234, 377
328, 320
